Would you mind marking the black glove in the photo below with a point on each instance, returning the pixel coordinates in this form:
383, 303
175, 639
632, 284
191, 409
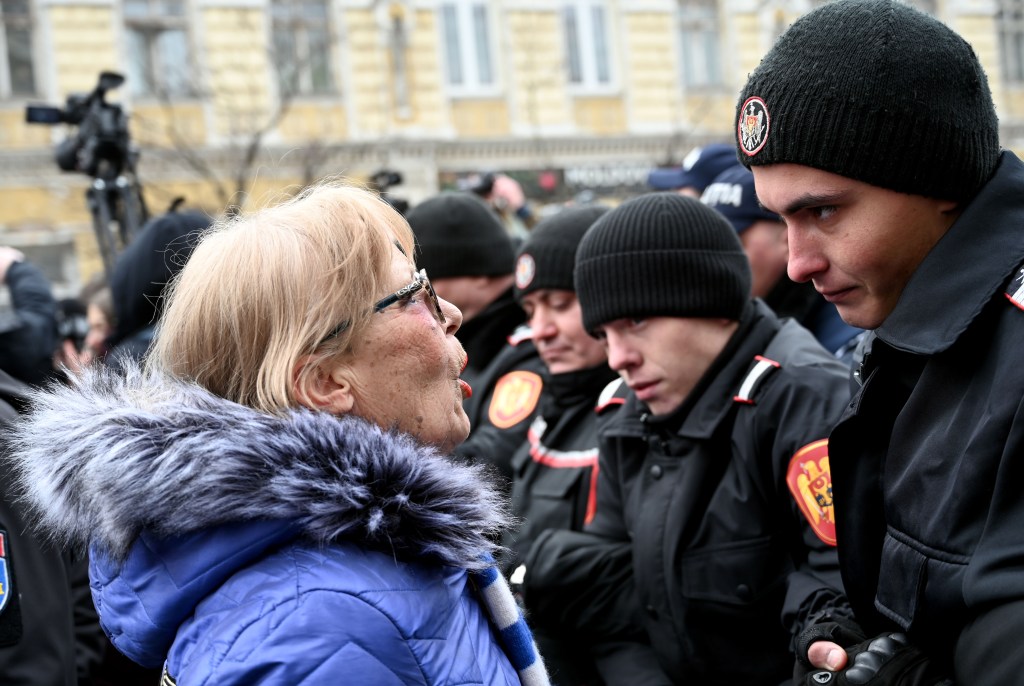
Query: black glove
886, 660
837, 629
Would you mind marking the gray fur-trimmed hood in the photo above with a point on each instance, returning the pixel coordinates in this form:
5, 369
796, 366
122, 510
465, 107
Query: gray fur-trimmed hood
114, 455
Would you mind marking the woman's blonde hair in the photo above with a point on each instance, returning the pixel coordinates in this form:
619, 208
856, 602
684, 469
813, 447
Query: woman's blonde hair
261, 291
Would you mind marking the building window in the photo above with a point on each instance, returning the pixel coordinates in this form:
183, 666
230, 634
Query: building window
698, 30
586, 43
1011, 40
302, 47
158, 55
466, 36
17, 74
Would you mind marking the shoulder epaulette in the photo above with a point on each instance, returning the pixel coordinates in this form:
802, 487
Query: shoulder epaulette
759, 371
522, 333
614, 394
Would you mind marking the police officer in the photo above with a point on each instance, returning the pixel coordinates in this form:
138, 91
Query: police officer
554, 472
902, 210
715, 470
470, 259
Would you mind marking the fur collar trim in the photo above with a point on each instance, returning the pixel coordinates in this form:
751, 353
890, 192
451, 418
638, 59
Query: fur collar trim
110, 456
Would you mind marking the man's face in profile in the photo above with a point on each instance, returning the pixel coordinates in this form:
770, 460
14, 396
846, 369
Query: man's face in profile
859, 244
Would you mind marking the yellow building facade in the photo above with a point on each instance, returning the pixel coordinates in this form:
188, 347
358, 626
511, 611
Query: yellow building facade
238, 102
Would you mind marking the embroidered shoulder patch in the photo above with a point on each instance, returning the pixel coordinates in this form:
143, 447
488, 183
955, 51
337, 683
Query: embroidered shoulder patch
5, 573
515, 397
11, 626
810, 482
1015, 291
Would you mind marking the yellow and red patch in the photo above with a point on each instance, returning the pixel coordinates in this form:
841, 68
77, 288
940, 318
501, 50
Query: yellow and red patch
810, 482
515, 397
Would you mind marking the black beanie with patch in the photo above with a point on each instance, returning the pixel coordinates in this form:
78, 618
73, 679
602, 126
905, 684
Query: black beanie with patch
661, 255
458, 235
876, 91
547, 258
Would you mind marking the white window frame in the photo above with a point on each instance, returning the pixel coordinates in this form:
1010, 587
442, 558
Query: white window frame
154, 23
589, 41
6, 85
473, 81
699, 39
305, 86
1011, 41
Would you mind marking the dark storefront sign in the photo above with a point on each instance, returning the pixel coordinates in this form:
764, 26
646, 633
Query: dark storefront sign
556, 185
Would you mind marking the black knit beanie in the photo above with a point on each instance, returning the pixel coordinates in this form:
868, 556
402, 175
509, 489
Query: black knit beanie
458, 235
547, 257
877, 91
661, 254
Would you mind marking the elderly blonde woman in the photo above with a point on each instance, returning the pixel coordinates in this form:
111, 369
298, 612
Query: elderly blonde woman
270, 500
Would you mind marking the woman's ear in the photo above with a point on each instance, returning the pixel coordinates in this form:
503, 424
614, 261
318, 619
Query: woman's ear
323, 385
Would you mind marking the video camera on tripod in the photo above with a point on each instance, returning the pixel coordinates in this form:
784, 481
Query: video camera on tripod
101, 148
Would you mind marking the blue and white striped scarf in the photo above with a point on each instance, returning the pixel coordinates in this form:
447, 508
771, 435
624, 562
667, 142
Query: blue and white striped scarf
515, 636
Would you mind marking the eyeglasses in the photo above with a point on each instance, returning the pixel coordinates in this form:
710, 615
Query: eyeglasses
420, 282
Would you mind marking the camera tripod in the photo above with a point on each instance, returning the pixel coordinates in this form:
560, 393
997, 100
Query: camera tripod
118, 212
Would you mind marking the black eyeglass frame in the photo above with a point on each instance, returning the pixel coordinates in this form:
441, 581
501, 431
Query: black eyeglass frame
420, 281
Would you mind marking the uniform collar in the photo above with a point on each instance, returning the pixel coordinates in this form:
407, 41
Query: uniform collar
973, 261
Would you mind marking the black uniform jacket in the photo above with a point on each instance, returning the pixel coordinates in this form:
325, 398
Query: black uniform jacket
928, 463
506, 398
554, 486
726, 565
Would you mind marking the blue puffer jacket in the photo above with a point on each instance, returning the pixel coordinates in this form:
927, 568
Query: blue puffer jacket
245, 548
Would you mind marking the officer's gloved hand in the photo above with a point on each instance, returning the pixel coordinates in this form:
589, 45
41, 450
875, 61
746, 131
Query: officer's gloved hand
835, 629
886, 660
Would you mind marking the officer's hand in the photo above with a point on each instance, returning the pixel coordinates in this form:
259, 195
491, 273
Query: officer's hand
822, 646
827, 655
886, 660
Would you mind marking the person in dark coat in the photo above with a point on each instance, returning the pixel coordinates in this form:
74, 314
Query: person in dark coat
714, 470
470, 257
763, 236
554, 472
49, 632
141, 274
28, 332
904, 212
